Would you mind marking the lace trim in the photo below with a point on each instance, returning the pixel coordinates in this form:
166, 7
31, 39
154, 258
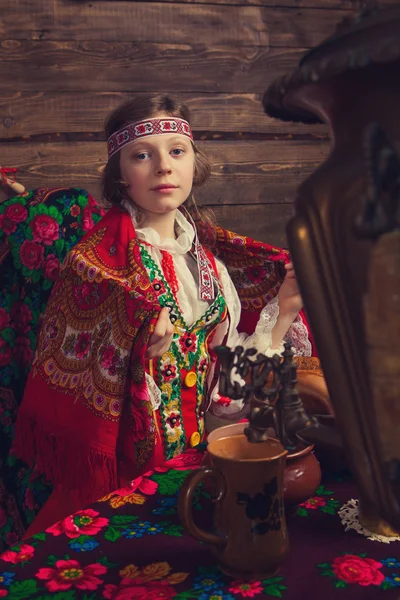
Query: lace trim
297, 336
349, 517
184, 230
268, 318
154, 392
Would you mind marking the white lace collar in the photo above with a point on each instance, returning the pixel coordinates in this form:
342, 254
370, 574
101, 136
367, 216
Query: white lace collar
181, 245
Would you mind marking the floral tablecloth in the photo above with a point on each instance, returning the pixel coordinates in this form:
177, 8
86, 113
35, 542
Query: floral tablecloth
131, 545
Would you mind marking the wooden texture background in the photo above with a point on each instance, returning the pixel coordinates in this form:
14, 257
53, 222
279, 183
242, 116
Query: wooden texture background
64, 64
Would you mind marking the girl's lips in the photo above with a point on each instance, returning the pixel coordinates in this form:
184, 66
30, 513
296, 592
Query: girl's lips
165, 185
164, 189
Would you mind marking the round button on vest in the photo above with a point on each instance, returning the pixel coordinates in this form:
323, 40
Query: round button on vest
190, 379
194, 439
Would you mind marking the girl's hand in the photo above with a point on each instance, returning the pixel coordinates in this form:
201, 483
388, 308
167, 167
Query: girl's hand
161, 337
290, 300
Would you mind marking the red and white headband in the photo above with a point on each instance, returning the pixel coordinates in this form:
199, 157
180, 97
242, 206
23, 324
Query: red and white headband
141, 129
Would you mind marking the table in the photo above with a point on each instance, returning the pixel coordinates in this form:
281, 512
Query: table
131, 545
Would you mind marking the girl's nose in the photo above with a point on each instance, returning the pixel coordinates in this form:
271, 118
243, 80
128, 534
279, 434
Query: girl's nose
163, 164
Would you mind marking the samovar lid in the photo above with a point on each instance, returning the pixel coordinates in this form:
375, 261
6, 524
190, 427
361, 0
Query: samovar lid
372, 36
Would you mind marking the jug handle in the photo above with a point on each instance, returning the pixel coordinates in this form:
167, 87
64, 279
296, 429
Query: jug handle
185, 503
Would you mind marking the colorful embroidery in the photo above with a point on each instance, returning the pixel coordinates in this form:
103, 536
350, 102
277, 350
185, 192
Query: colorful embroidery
80, 327
67, 574
105, 537
132, 527
169, 483
392, 580
37, 230
272, 586
256, 269
153, 582
320, 502
85, 522
188, 351
20, 554
360, 570
210, 584
128, 494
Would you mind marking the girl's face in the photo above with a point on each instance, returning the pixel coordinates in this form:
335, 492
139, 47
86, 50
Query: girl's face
158, 171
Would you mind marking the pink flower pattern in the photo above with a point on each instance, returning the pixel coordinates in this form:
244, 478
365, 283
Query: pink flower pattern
84, 522
7, 225
313, 503
247, 589
69, 573
51, 267
24, 554
82, 345
45, 229
4, 319
31, 254
16, 212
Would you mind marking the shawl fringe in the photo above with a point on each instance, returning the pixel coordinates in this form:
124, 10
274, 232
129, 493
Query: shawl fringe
65, 461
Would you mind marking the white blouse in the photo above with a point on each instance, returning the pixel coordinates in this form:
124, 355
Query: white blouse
192, 307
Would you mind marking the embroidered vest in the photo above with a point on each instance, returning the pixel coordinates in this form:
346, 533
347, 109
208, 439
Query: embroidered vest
181, 372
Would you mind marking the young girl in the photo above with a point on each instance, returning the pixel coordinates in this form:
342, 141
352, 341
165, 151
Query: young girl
125, 374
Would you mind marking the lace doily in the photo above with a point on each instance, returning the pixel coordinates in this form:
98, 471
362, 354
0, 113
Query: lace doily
349, 518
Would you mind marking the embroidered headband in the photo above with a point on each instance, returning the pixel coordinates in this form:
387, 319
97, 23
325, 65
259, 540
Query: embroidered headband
141, 129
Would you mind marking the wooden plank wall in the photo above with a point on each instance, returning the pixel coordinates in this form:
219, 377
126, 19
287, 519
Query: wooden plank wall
64, 64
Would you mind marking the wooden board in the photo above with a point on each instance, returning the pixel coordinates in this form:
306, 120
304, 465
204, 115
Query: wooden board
167, 23
242, 172
264, 222
24, 114
344, 4
93, 66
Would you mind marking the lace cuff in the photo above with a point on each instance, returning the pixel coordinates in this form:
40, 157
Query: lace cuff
297, 336
268, 317
262, 337
154, 392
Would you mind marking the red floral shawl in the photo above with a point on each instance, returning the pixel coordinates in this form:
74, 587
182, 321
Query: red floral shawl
86, 419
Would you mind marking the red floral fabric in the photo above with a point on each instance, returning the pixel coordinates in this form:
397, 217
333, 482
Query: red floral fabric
132, 545
79, 413
37, 230
76, 428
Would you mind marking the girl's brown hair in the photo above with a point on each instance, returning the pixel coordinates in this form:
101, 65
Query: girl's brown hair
139, 109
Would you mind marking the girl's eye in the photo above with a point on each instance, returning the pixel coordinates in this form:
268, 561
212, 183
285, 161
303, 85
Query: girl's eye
177, 151
141, 156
